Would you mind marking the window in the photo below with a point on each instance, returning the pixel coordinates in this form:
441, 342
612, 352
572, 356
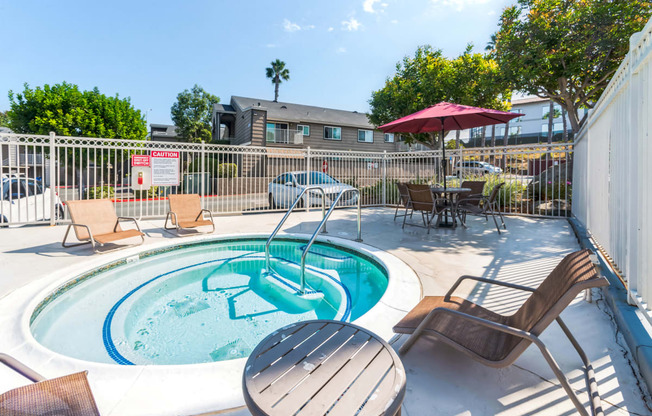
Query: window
277, 133
304, 129
316, 178
366, 136
558, 128
332, 133
389, 137
517, 110
545, 110
515, 131
500, 132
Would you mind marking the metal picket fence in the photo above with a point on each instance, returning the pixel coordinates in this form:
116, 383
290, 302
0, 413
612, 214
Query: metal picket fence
41, 173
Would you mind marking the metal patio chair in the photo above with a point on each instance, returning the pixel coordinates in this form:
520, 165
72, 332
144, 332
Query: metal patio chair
498, 340
62, 396
96, 222
186, 213
404, 200
423, 200
481, 205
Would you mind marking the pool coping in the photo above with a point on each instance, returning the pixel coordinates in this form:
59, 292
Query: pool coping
176, 389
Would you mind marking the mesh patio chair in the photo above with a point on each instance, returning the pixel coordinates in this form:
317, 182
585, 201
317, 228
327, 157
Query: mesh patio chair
404, 200
423, 200
95, 222
498, 340
186, 213
62, 396
481, 205
476, 187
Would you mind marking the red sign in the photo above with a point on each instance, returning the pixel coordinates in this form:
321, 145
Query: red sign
324, 166
165, 153
139, 160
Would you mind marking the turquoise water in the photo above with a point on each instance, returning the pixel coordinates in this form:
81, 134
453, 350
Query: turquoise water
202, 303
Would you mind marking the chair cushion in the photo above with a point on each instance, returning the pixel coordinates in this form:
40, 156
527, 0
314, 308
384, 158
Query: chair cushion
194, 224
486, 342
119, 235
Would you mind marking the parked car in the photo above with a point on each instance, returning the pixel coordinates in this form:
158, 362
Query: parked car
475, 168
285, 189
25, 200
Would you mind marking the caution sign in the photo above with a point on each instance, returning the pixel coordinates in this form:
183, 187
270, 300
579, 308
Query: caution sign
165, 168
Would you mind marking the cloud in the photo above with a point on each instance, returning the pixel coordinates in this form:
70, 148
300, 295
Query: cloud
341, 49
290, 27
368, 5
458, 5
330, 29
351, 25
271, 45
394, 21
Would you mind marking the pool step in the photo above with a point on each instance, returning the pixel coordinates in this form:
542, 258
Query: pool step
291, 287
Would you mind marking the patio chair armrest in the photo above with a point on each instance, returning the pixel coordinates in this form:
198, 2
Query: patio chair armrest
126, 219
488, 281
20, 368
201, 214
90, 233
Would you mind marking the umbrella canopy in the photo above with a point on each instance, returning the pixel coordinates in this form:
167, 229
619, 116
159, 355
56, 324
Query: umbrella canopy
447, 116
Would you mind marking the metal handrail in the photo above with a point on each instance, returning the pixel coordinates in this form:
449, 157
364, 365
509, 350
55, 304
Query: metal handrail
316, 233
287, 214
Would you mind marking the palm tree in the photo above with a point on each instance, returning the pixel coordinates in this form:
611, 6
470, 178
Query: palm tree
277, 73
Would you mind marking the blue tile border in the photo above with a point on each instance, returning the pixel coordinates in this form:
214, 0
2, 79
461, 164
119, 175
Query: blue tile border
637, 337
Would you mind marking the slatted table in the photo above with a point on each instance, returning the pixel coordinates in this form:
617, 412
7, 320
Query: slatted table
323, 367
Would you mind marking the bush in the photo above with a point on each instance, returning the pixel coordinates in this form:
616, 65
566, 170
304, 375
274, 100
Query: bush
100, 192
509, 195
148, 193
227, 170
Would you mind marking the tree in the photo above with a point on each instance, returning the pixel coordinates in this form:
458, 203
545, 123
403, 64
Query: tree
4, 119
192, 114
67, 111
429, 78
277, 73
566, 51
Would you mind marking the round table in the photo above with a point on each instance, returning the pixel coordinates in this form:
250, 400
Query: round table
452, 194
309, 368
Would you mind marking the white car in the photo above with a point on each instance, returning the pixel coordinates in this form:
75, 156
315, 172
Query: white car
285, 189
475, 168
26, 200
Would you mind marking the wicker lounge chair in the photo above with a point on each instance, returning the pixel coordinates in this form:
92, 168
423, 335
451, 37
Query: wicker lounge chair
63, 396
186, 213
96, 222
404, 201
481, 205
497, 340
423, 200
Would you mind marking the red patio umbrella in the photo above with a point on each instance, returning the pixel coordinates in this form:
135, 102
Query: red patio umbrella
447, 116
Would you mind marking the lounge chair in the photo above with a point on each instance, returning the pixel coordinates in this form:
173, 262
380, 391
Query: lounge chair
481, 205
63, 396
96, 222
186, 213
423, 200
497, 340
404, 200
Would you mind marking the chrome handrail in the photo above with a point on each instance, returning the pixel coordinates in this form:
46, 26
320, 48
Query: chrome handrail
287, 214
316, 233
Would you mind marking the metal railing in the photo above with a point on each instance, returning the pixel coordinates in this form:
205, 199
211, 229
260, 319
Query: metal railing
49, 170
613, 172
316, 233
299, 198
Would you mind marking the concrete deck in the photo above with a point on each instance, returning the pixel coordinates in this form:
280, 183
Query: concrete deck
439, 379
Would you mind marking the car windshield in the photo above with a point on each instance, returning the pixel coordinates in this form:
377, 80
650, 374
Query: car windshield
316, 178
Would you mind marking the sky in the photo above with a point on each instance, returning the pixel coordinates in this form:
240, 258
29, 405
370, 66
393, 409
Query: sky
337, 51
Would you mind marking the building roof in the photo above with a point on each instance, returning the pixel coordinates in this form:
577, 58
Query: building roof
299, 113
171, 131
223, 108
529, 100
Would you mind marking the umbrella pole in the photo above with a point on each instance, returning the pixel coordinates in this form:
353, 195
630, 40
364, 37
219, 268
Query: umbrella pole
443, 152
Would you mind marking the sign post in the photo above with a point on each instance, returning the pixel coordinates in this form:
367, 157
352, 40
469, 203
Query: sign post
141, 176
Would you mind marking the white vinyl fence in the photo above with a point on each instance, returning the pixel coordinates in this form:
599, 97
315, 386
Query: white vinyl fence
40, 173
613, 170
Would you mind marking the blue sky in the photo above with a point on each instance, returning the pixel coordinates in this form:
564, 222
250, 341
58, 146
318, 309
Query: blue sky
337, 51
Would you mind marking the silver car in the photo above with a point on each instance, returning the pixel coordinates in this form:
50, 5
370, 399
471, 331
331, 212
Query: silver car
475, 168
285, 189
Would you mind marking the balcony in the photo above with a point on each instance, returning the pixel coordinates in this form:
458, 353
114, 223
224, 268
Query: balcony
284, 136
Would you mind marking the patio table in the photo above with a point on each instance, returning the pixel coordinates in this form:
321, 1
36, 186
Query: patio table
451, 194
309, 368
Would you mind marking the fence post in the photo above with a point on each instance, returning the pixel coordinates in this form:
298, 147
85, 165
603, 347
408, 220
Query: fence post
308, 166
384, 178
53, 176
203, 169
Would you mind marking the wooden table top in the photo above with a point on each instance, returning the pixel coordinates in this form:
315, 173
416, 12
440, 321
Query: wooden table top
309, 368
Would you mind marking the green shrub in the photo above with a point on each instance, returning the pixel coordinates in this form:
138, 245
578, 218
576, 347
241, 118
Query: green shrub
227, 170
100, 192
152, 192
509, 195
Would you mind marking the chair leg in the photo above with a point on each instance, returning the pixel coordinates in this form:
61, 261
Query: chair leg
65, 237
500, 214
396, 212
493, 215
